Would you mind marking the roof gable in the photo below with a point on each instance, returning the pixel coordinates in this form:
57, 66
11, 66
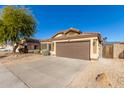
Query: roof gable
73, 34
69, 32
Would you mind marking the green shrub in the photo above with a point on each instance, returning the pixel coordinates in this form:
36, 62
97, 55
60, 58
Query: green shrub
45, 52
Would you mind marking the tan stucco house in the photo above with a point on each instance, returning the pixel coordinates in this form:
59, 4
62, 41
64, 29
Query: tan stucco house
73, 43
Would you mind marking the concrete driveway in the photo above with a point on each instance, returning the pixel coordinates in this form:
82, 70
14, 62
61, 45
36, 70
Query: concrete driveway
47, 71
7, 79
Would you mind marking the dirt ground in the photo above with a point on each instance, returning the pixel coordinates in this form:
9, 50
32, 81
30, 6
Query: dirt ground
8, 57
112, 71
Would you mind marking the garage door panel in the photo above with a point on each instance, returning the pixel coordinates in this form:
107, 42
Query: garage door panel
79, 50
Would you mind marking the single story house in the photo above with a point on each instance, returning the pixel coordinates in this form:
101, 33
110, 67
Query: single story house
113, 50
33, 45
73, 43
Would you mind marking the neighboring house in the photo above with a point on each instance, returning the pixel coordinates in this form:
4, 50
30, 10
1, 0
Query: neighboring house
73, 43
113, 50
33, 45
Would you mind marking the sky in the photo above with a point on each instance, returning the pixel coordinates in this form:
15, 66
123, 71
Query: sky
107, 20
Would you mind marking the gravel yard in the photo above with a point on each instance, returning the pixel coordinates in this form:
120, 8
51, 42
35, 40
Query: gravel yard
114, 69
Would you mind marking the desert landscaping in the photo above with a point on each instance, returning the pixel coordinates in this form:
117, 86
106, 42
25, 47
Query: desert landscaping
112, 74
58, 53
102, 73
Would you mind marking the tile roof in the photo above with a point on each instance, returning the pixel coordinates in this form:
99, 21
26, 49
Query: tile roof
80, 35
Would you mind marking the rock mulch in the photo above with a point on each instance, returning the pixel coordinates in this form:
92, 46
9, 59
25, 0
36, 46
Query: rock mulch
103, 74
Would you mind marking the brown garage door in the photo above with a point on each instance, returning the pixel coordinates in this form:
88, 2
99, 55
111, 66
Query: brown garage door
78, 50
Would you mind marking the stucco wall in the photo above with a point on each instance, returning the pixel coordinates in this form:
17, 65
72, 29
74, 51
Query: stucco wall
59, 35
92, 55
31, 45
118, 51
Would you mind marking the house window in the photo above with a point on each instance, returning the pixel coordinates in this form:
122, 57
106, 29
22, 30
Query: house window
44, 46
95, 46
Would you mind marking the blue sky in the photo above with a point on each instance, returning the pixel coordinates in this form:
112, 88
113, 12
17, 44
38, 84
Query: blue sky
108, 20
